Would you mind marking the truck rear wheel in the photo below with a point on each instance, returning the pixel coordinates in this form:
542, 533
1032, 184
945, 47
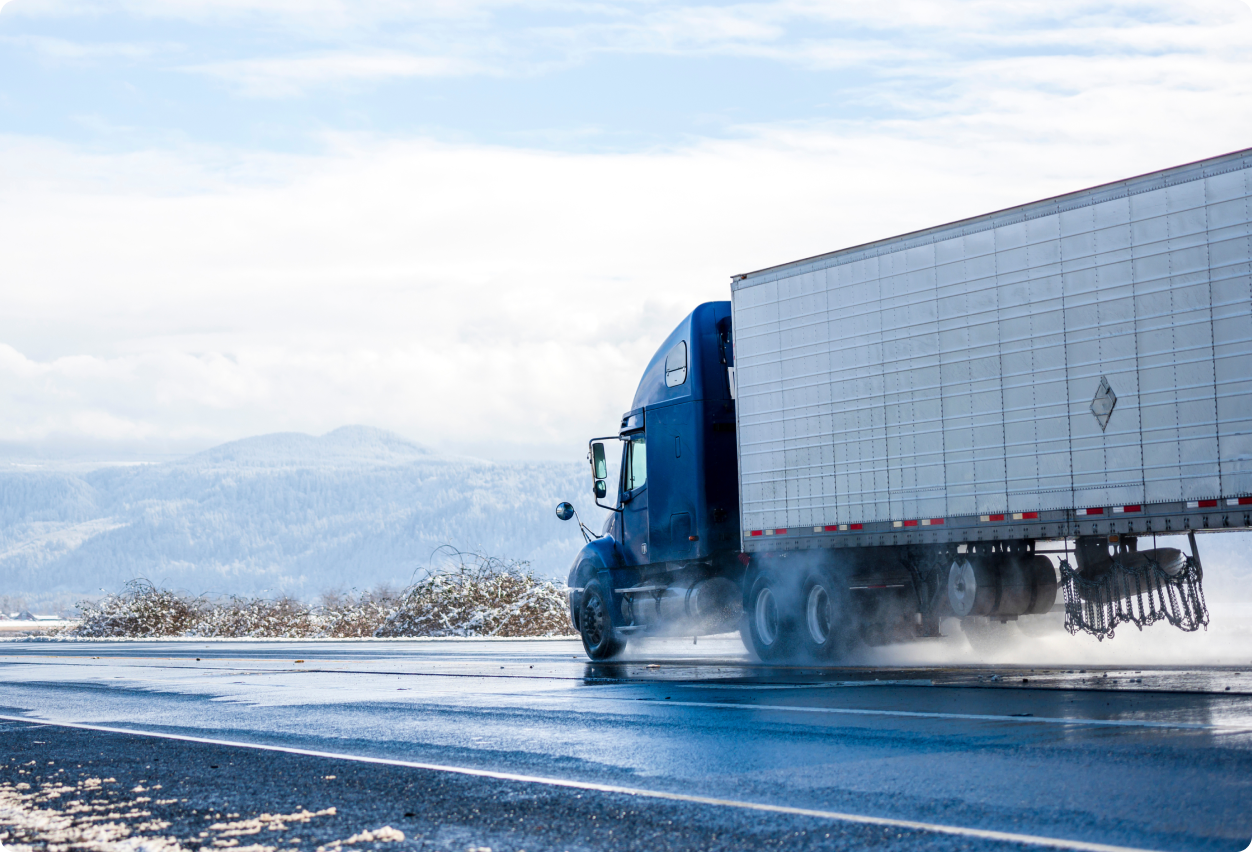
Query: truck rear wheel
824, 632
595, 624
771, 624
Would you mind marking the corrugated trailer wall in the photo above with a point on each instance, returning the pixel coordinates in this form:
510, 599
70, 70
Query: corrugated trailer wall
959, 371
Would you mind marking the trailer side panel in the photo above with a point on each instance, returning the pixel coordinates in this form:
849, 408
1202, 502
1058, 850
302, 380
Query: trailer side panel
1092, 350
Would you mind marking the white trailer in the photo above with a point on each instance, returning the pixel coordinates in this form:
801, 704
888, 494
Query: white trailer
1075, 366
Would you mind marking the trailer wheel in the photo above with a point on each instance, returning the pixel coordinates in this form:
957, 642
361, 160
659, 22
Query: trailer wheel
988, 635
595, 624
771, 624
824, 631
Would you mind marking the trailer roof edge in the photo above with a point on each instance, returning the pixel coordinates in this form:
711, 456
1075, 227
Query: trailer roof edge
1032, 209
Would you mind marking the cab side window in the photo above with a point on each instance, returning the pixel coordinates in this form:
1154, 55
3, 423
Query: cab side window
676, 365
635, 469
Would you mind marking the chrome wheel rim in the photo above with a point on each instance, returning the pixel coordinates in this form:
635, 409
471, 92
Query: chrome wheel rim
766, 616
593, 621
817, 614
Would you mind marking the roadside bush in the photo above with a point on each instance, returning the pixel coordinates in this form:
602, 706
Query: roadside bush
480, 596
469, 594
140, 610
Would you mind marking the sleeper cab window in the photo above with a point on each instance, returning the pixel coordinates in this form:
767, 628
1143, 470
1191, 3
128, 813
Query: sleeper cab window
676, 365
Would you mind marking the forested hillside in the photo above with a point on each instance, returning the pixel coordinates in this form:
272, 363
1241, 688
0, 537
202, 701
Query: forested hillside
285, 513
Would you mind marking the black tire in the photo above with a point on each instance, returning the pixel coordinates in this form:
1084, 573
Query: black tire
771, 621
600, 638
986, 636
824, 629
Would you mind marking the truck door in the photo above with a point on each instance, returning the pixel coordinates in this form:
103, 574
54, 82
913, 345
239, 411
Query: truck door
634, 500
673, 482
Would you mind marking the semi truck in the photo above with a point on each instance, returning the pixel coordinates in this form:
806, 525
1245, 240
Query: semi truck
986, 420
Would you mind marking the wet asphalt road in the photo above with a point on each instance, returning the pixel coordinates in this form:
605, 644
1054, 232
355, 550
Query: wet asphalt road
1151, 758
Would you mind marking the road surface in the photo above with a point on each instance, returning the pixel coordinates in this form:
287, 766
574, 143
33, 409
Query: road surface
525, 745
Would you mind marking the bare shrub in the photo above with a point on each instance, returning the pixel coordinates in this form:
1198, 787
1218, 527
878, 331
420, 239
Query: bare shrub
470, 594
283, 618
345, 617
141, 609
479, 595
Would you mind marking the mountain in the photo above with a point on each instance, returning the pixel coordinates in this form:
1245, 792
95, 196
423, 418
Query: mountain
285, 513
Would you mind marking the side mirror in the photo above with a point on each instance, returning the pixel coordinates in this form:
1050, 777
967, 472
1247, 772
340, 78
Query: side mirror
564, 511
600, 489
599, 467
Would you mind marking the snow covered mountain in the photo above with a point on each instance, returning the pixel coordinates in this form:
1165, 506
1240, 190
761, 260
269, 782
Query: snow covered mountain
286, 513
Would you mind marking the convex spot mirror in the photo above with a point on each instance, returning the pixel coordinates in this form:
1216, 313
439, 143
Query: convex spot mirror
564, 511
601, 489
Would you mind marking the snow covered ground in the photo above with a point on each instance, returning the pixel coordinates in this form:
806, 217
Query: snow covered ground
278, 514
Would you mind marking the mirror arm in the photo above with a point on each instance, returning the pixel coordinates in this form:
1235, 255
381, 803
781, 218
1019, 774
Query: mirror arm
588, 535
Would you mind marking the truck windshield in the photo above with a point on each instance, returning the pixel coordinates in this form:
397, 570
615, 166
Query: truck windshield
635, 468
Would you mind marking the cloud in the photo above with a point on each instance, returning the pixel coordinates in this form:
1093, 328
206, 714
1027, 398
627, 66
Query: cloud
67, 51
294, 75
380, 40
484, 297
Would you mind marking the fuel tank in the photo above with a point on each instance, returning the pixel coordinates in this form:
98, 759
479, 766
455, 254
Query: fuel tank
998, 584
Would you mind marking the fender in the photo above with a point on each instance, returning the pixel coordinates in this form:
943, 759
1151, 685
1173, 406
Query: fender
600, 559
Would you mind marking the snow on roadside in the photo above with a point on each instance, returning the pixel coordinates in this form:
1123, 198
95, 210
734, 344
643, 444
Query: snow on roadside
58, 816
473, 595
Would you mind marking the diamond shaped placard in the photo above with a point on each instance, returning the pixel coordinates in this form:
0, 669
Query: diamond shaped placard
1103, 404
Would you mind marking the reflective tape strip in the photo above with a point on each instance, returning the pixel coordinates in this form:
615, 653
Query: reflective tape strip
1089, 512
932, 522
769, 532
897, 523
757, 532
989, 518
1202, 504
834, 527
779, 532
910, 523
1117, 510
1025, 516
1239, 501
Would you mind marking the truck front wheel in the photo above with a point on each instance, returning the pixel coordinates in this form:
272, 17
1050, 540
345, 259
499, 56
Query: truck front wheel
595, 624
771, 624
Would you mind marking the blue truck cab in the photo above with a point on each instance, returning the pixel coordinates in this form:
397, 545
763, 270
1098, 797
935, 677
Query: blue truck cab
667, 561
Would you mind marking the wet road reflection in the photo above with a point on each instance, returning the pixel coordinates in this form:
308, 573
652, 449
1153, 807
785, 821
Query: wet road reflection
1153, 757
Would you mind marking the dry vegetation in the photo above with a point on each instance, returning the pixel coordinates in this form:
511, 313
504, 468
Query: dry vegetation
469, 595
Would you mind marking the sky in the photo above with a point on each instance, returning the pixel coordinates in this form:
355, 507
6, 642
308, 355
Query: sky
472, 223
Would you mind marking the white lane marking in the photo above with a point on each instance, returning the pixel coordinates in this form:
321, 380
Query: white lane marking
860, 819
917, 714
